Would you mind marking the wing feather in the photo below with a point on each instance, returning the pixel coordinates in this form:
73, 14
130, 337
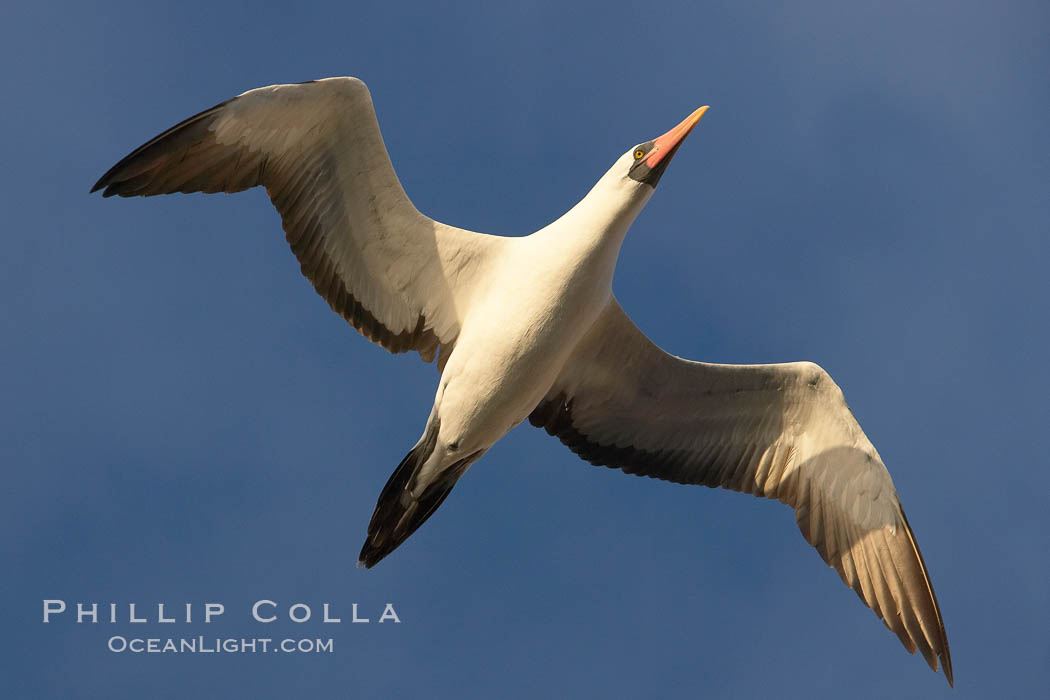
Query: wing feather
392, 273
778, 431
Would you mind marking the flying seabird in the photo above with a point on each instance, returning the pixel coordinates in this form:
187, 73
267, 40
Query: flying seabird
529, 328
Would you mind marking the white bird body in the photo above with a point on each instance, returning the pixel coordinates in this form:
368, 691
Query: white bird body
540, 296
529, 328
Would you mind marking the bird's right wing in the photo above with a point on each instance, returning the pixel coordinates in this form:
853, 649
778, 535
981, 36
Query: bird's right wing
400, 278
780, 431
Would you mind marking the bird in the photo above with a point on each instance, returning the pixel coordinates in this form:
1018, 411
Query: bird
528, 328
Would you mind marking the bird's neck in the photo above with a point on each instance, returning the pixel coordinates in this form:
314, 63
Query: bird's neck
596, 226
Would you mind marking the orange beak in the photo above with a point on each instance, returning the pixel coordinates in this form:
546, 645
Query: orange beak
665, 145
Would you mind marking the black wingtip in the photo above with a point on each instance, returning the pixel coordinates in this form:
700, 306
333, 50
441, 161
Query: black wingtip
106, 183
116, 177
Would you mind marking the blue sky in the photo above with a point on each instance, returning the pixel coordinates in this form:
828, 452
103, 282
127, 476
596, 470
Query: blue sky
186, 421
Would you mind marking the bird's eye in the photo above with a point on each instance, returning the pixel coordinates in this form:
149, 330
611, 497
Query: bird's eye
638, 154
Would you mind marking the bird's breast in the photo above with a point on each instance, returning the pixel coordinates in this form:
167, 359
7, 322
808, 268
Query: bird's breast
518, 335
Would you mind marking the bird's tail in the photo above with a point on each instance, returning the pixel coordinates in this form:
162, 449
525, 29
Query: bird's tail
399, 512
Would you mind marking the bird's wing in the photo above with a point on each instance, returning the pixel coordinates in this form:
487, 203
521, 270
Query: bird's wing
780, 431
400, 278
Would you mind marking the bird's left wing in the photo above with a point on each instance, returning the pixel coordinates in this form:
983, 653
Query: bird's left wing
400, 278
779, 431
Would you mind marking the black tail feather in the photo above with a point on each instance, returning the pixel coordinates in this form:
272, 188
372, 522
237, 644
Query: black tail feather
398, 513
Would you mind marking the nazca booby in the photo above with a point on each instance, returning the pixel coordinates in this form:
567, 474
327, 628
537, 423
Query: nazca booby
529, 328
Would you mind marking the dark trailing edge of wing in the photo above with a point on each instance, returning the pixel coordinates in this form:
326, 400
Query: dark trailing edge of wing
678, 466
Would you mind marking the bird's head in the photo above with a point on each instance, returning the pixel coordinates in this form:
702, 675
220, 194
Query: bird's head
621, 193
646, 162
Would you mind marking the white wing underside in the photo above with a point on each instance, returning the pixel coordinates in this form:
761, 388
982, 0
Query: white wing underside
780, 431
400, 278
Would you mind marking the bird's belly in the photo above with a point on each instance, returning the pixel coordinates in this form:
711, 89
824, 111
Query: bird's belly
505, 361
